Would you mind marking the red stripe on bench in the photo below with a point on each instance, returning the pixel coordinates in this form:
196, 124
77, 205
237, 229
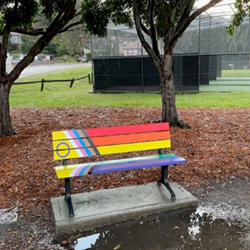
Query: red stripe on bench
130, 129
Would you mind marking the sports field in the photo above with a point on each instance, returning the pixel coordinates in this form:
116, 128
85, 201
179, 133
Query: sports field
230, 81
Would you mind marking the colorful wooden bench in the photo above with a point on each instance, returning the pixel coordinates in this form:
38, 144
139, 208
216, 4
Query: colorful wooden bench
71, 144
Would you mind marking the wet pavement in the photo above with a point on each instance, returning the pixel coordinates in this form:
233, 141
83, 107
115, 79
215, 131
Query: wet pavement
221, 222
190, 230
33, 70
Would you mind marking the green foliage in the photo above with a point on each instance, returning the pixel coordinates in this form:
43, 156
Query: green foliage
41, 20
61, 49
89, 56
52, 6
18, 13
27, 43
96, 14
50, 49
23, 13
242, 10
99, 18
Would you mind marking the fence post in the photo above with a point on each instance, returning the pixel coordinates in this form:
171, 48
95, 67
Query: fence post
42, 84
89, 78
72, 82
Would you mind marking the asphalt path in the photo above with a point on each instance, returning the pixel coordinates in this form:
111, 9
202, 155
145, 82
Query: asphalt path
32, 70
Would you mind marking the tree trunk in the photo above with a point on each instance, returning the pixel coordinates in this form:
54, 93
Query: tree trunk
5, 119
169, 111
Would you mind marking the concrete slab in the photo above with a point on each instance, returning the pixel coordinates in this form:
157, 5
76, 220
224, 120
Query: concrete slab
105, 207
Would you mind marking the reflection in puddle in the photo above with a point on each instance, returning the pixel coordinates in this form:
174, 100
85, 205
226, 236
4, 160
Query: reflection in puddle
174, 230
86, 242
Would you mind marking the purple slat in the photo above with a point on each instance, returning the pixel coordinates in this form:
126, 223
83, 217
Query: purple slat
114, 167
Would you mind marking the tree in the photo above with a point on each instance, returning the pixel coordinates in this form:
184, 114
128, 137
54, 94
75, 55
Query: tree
27, 43
61, 49
21, 16
75, 41
154, 18
242, 10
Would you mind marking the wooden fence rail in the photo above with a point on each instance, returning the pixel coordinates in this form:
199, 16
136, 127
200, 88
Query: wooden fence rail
63, 80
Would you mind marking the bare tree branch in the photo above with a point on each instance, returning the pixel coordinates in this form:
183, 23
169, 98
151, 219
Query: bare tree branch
142, 38
69, 26
3, 52
168, 22
153, 34
144, 29
186, 13
42, 31
186, 23
66, 14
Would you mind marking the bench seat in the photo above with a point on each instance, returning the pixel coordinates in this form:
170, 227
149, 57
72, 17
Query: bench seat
89, 168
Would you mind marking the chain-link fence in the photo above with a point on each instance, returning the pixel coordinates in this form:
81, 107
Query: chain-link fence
217, 56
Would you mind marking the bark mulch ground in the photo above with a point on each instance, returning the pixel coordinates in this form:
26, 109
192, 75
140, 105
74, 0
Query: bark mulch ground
216, 147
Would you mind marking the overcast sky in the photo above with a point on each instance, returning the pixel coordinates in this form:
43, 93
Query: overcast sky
224, 8
200, 3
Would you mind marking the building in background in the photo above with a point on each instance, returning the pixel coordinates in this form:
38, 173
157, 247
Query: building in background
15, 41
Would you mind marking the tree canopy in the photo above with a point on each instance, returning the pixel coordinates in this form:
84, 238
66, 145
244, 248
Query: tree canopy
22, 16
155, 19
152, 18
242, 10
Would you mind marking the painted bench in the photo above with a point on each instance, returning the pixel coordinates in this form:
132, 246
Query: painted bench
71, 144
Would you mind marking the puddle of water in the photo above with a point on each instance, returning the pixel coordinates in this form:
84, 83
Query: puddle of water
187, 230
87, 242
8, 216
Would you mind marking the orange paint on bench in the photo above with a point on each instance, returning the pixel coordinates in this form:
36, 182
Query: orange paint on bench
131, 138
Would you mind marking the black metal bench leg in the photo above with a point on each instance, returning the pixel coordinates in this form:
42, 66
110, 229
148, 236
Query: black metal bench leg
164, 181
68, 197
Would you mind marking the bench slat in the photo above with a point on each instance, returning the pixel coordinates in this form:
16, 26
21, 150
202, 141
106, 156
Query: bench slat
130, 129
108, 131
120, 139
71, 144
69, 152
123, 148
117, 165
74, 153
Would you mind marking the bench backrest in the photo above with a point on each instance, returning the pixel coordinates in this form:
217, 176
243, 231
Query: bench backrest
71, 144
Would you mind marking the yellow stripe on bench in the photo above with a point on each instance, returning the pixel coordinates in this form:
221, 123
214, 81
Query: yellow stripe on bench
73, 153
70, 144
122, 148
105, 150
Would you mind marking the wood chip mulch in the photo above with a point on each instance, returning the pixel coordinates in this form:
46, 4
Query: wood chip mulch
216, 147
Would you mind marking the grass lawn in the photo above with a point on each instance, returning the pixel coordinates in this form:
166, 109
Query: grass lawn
59, 94
236, 73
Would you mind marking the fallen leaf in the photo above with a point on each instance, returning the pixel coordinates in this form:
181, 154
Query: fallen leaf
117, 247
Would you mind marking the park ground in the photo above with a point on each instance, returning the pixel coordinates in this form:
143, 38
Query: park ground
216, 148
